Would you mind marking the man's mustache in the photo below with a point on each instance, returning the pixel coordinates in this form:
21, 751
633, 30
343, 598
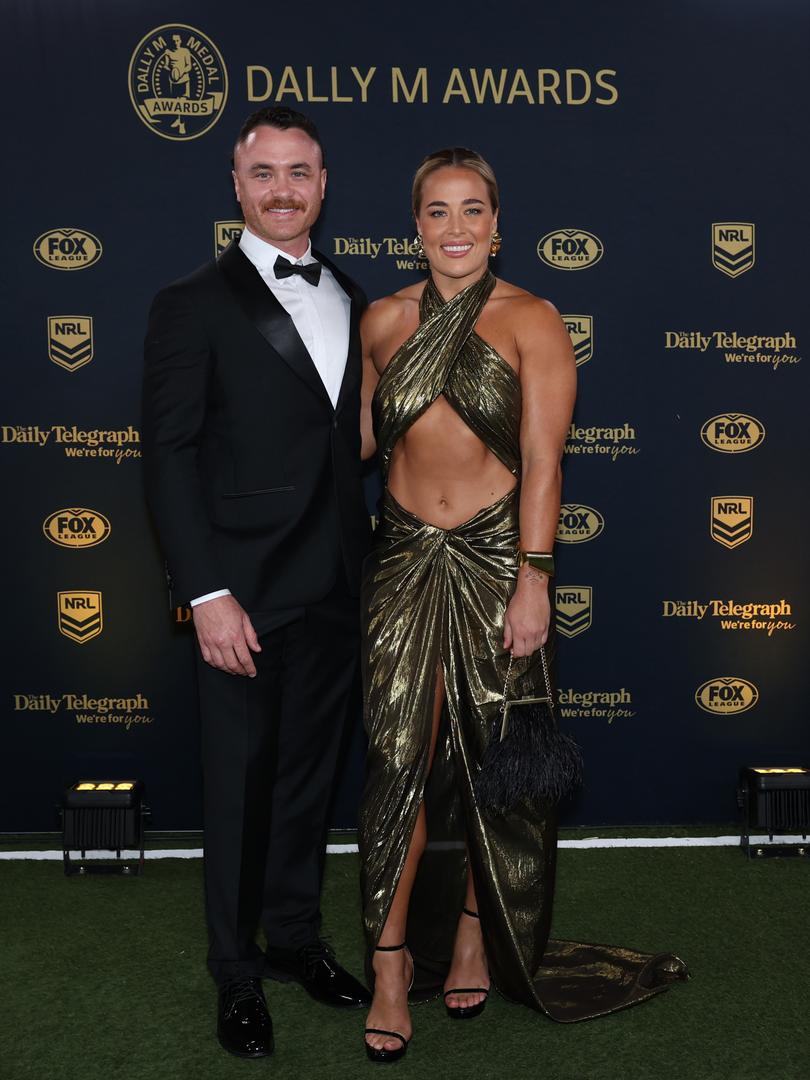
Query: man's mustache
284, 204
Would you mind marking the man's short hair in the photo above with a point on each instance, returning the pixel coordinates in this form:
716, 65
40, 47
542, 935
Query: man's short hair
283, 118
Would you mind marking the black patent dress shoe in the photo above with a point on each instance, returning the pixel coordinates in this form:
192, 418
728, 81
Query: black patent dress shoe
244, 1027
314, 966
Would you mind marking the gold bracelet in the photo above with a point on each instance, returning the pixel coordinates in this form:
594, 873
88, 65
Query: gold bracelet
538, 560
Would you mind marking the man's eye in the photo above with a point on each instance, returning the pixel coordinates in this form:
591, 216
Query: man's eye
262, 175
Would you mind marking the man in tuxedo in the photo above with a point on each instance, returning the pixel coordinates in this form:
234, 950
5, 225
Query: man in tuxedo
251, 446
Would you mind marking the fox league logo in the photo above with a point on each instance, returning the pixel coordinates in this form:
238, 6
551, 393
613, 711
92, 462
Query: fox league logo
578, 523
574, 606
67, 249
570, 249
732, 433
178, 82
79, 614
727, 696
733, 247
731, 522
76, 527
70, 340
580, 330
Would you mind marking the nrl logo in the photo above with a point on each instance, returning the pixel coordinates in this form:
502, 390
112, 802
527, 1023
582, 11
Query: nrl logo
580, 330
70, 340
76, 527
733, 247
578, 523
574, 606
224, 232
178, 82
67, 249
732, 519
79, 615
727, 695
570, 249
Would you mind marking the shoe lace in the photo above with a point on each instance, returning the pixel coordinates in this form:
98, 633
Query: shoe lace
314, 953
242, 990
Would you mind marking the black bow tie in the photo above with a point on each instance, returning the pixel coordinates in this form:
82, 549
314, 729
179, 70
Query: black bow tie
311, 272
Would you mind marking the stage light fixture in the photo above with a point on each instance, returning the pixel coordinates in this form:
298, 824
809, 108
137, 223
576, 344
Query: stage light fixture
774, 799
103, 815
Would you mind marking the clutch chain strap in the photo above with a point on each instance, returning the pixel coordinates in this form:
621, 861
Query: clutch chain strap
546, 680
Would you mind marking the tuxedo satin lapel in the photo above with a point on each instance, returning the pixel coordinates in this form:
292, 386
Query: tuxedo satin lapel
268, 316
353, 371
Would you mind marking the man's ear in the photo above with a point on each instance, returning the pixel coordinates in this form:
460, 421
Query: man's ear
236, 185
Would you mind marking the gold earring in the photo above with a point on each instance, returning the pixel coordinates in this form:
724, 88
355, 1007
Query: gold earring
495, 243
420, 250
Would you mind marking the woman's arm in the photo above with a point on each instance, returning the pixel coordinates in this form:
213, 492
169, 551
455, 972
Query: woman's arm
370, 379
548, 384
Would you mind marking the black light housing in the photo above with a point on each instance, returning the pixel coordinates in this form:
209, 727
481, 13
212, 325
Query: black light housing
106, 815
774, 800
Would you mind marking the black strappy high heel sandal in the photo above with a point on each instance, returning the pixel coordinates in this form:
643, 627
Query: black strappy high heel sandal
381, 1055
466, 1012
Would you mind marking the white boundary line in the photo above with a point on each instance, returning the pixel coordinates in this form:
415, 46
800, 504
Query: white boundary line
589, 843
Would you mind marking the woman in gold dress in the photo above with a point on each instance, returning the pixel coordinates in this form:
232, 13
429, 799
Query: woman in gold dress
468, 391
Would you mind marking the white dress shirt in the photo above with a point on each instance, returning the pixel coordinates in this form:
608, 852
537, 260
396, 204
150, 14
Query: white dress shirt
320, 315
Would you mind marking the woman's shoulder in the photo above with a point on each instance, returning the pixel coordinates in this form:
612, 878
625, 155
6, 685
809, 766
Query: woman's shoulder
383, 315
523, 306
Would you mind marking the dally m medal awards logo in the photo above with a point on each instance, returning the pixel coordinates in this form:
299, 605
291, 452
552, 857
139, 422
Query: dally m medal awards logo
732, 433
732, 519
574, 608
76, 527
578, 523
733, 247
580, 330
224, 232
570, 249
178, 82
79, 615
67, 249
727, 695
70, 340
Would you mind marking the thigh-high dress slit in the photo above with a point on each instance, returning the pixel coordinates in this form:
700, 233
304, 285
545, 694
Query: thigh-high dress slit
432, 597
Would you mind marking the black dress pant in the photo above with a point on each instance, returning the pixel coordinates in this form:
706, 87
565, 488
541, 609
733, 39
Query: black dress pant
269, 751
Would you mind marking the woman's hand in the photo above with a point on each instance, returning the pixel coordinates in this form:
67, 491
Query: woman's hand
527, 619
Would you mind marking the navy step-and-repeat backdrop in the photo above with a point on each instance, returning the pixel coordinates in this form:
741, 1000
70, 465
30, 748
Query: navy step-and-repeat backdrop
653, 167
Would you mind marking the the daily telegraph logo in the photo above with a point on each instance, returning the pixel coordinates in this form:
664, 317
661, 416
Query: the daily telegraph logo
79, 614
67, 249
574, 609
224, 232
612, 442
731, 521
580, 330
178, 82
130, 713
741, 349
70, 340
733, 615
732, 433
76, 527
114, 445
733, 247
727, 695
403, 250
578, 523
570, 249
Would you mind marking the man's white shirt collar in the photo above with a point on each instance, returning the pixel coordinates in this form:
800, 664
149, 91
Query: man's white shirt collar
263, 255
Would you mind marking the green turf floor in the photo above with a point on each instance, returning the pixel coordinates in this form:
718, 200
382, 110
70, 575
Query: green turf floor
104, 977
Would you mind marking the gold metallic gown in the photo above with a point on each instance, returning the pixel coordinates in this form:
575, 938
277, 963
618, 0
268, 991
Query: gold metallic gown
433, 597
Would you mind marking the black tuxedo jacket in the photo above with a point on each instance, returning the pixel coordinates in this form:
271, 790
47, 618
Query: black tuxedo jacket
252, 476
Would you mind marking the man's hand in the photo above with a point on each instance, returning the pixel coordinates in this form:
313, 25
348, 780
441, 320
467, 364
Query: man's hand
226, 635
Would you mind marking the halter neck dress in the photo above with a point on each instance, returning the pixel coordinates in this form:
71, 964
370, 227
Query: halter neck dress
437, 597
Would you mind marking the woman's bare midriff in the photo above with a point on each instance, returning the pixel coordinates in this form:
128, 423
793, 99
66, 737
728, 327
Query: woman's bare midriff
442, 472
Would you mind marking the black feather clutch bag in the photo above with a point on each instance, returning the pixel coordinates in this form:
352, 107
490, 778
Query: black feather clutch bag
528, 759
